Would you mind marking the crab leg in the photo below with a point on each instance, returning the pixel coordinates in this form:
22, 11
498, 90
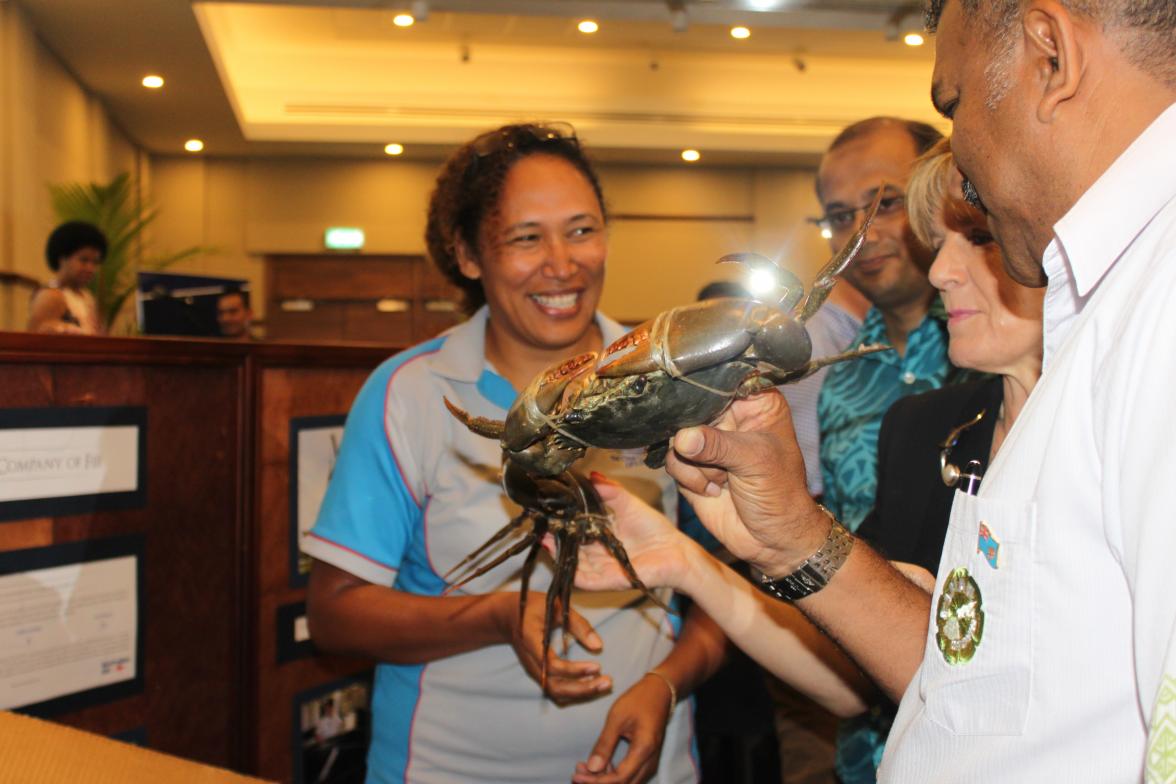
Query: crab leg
510, 552
529, 564
560, 591
502, 532
610, 541
776, 377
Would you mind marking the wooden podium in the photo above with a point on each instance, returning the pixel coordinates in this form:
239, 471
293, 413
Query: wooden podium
215, 528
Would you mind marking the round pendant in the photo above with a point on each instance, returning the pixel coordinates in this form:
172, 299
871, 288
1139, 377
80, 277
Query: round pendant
959, 618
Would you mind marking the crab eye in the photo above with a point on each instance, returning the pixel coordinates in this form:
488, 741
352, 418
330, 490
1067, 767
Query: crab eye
638, 385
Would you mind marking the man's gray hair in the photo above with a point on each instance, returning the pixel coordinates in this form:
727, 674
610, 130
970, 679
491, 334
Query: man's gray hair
1148, 29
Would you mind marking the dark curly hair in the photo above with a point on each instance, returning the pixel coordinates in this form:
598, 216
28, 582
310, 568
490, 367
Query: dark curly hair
70, 237
468, 188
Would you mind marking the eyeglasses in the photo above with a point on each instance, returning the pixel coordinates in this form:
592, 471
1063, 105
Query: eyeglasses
843, 219
515, 137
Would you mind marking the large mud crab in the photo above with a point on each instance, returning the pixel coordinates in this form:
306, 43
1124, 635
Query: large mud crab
682, 368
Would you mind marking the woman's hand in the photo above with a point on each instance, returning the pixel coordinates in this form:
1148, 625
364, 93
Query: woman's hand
567, 681
639, 716
655, 546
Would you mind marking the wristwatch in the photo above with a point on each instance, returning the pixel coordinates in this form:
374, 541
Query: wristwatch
817, 570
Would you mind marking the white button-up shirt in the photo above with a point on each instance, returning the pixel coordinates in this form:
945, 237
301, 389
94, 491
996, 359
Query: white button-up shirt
1076, 659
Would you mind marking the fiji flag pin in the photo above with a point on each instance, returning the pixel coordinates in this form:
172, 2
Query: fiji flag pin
989, 546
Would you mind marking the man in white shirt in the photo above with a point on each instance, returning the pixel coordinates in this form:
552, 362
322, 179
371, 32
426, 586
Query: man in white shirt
1054, 657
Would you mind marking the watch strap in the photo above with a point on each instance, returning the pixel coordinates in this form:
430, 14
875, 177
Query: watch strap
817, 570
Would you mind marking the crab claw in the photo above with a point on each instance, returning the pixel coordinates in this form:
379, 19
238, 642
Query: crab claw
789, 286
529, 419
488, 428
821, 287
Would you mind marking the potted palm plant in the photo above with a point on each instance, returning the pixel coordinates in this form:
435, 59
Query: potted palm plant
113, 208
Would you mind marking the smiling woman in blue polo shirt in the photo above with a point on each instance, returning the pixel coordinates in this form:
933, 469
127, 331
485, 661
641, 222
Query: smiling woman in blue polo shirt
517, 220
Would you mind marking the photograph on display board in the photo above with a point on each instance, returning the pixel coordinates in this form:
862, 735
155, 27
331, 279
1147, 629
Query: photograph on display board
332, 728
314, 446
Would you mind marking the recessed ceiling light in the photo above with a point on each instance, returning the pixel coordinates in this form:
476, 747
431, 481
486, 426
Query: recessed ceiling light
691, 155
827, 233
403, 20
588, 26
193, 145
152, 81
393, 148
913, 39
740, 32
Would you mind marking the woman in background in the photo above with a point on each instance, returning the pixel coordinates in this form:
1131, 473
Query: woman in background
516, 220
65, 305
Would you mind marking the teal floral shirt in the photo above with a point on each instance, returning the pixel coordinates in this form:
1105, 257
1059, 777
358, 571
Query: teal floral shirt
857, 394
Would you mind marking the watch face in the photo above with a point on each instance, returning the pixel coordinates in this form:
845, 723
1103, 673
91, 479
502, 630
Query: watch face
959, 618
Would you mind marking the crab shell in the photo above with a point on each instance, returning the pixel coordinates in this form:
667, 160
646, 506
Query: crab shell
680, 369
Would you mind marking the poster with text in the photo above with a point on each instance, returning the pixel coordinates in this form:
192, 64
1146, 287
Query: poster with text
70, 618
67, 461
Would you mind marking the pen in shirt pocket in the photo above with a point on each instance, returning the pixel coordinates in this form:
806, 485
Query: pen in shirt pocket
970, 478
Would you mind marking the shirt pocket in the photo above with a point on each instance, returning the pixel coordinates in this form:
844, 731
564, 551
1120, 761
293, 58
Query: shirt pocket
988, 552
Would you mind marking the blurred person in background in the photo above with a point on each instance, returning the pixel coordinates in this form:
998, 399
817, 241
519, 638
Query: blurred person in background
65, 305
234, 315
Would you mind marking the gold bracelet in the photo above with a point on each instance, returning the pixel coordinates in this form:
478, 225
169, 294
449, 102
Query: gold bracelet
670, 685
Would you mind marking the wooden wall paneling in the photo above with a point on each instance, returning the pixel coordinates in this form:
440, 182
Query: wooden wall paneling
192, 704
283, 393
435, 292
346, 292
365, 322
343, 277
216, 525
324, 322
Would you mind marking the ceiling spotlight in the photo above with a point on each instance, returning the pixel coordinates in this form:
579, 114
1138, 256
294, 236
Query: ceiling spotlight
152, 81
193, 145
679, 20
827, 233
691, 155
588, 26
403, 20
906, 25
740, 32
393, 148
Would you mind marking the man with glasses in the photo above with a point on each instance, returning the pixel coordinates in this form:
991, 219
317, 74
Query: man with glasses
891, 272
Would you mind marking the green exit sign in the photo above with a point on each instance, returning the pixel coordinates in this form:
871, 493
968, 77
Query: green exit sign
343, 238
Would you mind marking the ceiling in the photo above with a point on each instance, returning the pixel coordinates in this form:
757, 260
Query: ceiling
338, 78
